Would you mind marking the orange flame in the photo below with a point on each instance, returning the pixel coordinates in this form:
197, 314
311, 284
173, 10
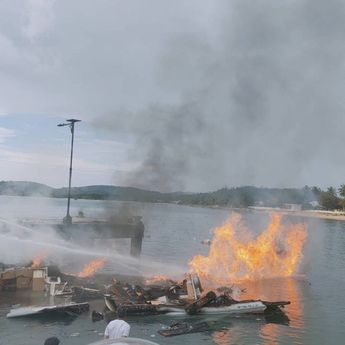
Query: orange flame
156, 279
37, 260
276, 252
91, 268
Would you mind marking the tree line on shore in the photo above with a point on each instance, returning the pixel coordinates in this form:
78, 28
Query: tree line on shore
331, 198
237, 197
308, 197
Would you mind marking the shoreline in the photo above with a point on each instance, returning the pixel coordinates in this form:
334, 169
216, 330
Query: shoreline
328, 215
318, 214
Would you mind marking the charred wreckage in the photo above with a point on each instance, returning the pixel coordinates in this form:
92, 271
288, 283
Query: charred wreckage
162, 297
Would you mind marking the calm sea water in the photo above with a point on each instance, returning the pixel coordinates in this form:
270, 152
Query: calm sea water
172, 236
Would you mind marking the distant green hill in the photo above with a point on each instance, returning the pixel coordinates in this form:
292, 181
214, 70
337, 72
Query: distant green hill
104, 192
24, 188
231, 197
250, 196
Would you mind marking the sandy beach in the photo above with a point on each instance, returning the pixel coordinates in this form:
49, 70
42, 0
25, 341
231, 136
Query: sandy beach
332, 215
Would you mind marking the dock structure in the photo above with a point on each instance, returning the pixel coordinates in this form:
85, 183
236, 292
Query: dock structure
87, 230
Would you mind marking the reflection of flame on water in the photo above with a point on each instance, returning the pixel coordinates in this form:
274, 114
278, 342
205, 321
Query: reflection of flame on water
276, 252
92, 268
286, 289
37, 260
269, 332
222, 337
268, 329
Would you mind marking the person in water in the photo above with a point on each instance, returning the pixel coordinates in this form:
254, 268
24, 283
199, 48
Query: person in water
117, 328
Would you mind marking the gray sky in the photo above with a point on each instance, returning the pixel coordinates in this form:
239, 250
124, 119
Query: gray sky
193, 95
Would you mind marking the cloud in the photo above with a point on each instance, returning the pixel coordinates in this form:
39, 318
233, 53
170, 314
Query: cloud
52, 169
6, 134
37, 159
40, 18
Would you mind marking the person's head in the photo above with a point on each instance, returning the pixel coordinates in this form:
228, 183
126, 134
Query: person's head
121, 313
52, 341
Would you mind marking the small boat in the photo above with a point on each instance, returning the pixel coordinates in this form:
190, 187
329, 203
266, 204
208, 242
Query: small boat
70, 309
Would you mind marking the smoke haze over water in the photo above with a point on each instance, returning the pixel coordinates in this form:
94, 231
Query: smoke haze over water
203, 94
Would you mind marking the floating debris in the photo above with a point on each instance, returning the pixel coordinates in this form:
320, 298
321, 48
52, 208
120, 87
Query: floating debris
71, 309
182, 298
180, 328
96, 316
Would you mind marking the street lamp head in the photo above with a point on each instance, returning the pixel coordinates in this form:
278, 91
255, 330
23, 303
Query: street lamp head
70, 122
73, 120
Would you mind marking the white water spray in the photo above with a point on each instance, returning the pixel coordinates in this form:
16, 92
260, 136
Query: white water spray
18, 246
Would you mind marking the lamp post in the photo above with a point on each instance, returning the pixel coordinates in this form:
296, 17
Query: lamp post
70, 123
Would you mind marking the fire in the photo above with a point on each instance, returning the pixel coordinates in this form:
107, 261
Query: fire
156, 279
276, 252
38, 259
91, 268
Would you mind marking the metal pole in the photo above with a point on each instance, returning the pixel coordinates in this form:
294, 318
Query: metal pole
68, 218
70, 123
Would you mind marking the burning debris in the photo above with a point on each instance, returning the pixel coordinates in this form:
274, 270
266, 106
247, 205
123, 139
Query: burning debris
23, 278
37, 260
91, 268
158, 279
33, 278
186, 297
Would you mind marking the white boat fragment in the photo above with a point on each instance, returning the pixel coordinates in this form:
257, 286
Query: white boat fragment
37, 310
